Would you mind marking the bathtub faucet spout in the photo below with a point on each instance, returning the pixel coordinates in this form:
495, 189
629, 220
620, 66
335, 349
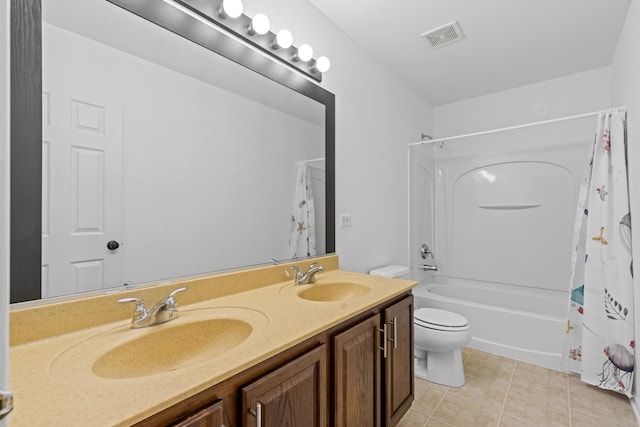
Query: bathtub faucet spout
427, 267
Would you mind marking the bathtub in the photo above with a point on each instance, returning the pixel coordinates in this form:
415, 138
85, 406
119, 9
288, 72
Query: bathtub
519, 322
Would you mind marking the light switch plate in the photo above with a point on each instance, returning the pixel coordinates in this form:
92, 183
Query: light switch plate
345, 220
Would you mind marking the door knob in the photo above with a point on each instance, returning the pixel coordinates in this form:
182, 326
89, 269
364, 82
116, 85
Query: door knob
112, 245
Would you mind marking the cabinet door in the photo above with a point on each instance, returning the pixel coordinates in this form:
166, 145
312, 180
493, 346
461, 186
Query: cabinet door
211, 416
399, 380
293, 395
357, 375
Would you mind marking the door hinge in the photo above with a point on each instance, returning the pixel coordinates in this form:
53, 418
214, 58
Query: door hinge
6, 403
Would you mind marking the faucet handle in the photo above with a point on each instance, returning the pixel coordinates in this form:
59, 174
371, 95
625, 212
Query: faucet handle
425, 251
171, 301
140, 310
174, 292
296, 269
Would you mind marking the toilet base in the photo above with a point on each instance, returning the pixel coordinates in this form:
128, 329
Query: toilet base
441, 368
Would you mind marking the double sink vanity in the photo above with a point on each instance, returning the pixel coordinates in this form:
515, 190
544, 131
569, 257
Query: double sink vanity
249, 348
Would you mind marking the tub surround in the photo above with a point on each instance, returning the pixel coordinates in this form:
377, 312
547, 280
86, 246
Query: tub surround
50, 360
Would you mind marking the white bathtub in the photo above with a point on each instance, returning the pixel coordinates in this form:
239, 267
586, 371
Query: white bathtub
523, 323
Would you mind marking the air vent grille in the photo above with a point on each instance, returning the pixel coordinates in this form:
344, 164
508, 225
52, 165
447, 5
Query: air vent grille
444, 35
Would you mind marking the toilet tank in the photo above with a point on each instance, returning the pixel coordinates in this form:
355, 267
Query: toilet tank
397, 271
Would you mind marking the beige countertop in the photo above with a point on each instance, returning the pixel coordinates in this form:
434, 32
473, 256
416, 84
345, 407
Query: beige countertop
54, 384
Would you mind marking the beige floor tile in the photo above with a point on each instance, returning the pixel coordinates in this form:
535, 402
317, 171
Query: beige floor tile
466, 352
427, 397
581, 419
424, 386
470, 411
489, 367
502, 392
588, 399
535, 408
540, 376
413, 418
481, 388
510, 421
438, 423
550, 386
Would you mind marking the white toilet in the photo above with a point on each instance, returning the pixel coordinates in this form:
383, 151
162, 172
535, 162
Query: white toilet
439, 336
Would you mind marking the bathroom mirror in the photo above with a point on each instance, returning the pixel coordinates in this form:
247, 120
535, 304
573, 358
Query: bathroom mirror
162, 158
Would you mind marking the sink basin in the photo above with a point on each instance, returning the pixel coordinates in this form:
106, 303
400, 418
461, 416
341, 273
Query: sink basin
336, 291
172, 348
197, 336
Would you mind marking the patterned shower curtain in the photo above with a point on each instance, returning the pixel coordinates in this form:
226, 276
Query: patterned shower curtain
600, 340
302, 239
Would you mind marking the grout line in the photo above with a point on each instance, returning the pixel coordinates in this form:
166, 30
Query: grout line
437, 406
506, 394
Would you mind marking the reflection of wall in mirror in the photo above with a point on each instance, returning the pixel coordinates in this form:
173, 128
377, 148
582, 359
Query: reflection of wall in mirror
204, 189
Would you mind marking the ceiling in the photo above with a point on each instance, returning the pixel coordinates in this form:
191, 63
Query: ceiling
508, 43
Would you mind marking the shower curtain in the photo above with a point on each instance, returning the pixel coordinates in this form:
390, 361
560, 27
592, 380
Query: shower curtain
600, 338
302, 239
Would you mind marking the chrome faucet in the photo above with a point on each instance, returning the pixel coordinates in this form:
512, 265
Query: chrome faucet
308, 277
164, 311
424, 253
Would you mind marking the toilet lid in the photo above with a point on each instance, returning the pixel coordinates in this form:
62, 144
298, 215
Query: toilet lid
440, 319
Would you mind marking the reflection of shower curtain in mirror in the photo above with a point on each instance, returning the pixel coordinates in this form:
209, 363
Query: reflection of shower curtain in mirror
302, 240
600, 338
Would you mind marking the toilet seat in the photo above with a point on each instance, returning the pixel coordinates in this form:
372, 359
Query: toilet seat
441, 320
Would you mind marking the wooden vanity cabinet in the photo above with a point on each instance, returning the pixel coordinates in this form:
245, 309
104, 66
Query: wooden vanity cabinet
374, 385
339, 377
211, 416
399, 376
293, 395
357, 375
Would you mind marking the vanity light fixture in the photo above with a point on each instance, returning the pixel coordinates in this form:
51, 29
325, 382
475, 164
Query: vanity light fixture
231, 9
304, 53
322, 64
228, 16
283, 39
260, 24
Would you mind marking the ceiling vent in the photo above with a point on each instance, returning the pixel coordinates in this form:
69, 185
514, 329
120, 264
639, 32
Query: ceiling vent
444, 35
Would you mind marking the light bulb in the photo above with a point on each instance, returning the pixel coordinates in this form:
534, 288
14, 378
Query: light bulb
231, 8
323, 64
305, 53
260, 24
284, 39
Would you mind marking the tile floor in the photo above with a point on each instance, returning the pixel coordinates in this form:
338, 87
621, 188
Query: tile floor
502, 392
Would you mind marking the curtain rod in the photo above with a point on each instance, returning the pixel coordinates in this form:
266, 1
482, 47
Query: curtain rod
526, 125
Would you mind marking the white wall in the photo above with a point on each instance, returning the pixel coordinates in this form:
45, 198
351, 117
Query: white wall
376, 117
625, 85
186, 156
566, 96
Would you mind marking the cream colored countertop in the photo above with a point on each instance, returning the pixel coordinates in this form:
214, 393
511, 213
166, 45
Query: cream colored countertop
54, 385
